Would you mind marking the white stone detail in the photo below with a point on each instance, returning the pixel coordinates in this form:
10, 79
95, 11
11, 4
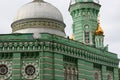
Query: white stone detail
9, 66
36, 70
37, 31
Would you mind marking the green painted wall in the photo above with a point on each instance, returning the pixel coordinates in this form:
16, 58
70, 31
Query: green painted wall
46, 55
16, 66
85, 70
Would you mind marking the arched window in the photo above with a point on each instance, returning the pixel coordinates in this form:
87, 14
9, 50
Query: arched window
96, 76
75, 74
97, 72
65, 73
87, 36
70, 68
110, 73
109, 77
68, 74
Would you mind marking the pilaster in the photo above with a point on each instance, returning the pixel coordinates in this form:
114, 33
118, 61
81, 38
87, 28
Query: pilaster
58, 67
46, 66
85, 70
116, 74
104, 73
16, 66
41, 65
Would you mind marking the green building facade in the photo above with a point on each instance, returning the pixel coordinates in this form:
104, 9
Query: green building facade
38, 49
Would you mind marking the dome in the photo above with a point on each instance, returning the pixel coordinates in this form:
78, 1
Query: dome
38, 9
37, 17
99, 30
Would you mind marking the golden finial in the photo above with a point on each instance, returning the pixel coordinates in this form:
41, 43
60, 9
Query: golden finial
99, 30
71, 37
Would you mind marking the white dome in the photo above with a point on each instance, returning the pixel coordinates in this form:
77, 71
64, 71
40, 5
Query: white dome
38, 17
38, 9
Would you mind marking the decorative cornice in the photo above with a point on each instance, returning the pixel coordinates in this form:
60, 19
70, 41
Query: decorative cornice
84, 5
48, 46
55, 44
37, 23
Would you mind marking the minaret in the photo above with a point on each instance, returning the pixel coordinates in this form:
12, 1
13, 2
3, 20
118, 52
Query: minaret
84, 14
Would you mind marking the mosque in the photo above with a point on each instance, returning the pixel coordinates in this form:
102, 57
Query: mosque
38, 49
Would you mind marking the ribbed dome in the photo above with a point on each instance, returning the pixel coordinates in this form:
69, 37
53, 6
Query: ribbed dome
38, 9
38, 17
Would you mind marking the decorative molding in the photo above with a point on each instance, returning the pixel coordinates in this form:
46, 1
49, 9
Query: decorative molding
37, 23
61, 46
84, 5
8, 73
27, 73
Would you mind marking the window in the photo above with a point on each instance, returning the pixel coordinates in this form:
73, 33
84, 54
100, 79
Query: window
65, 73
70, 72
109, 77
70, 68
110, 73
86, 26
97, 72
96, 75
87, 37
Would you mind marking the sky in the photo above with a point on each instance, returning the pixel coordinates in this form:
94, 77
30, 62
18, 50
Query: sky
109, 17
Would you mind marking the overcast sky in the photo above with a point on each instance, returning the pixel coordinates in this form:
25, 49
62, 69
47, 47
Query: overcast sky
110, 18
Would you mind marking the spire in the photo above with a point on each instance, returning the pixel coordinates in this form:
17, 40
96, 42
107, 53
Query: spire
99, 30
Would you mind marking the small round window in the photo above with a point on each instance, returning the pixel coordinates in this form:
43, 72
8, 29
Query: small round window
30, 70
3, 69
86, 26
